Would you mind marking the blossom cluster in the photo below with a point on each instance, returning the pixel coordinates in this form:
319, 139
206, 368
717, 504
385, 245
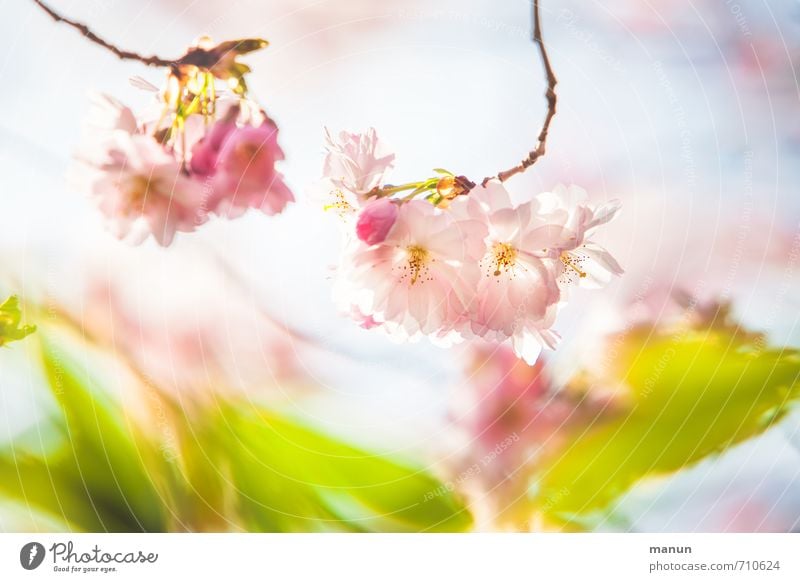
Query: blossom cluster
196, 154
453, 260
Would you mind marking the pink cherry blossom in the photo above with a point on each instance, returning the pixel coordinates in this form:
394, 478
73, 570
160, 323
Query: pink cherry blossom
142, 190
205, 142
512, 414
355, 164
517, 295
206, 151
245, 174
376, 220
581, 261
166, 173
356, 161
472, 265
421, 279
508, 398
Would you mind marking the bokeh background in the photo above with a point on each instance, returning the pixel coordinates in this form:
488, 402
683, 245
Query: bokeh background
686, 110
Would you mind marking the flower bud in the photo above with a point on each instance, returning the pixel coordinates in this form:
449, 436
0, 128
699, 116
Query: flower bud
376, 220
446, 186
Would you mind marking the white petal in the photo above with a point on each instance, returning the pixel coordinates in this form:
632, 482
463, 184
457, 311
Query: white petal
493, 196
597, 253
527, 347
605, 213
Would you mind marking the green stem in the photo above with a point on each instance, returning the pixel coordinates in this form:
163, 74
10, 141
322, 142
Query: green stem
388, 191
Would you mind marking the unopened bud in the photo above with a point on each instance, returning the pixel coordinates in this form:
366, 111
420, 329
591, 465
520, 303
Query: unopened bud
376, 220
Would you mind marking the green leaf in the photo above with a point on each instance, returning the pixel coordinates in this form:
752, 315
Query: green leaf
690, 395
291, 478
94, 477
241, 46
230, 467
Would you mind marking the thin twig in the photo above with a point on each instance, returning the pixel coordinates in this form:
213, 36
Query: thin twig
152, 61
550, 94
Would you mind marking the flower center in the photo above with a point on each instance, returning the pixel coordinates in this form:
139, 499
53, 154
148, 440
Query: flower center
505, 257
417, 264
340, 204
248, 151
573, 262
137, 192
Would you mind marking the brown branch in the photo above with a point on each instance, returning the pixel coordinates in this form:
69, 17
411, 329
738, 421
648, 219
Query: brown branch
152, 61
550, 94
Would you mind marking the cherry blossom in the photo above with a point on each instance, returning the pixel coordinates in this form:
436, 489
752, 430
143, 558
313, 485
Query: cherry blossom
583, 262
420, 280
517, 296
245, 174
141, 189
355, 165
195, 153
356, 162
205, 151
451, 260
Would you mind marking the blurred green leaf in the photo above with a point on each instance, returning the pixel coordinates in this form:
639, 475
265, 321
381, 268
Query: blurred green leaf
95, 477
227, 466
291, 478
691, 394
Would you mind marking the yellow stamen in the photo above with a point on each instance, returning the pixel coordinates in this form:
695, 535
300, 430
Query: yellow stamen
572, 262
417, 259
340, 204
505, 257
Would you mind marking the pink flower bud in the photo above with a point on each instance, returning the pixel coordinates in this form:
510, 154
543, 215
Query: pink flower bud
376, 220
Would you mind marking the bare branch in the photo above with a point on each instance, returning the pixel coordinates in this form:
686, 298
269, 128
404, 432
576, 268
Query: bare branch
550, 94
152, 61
